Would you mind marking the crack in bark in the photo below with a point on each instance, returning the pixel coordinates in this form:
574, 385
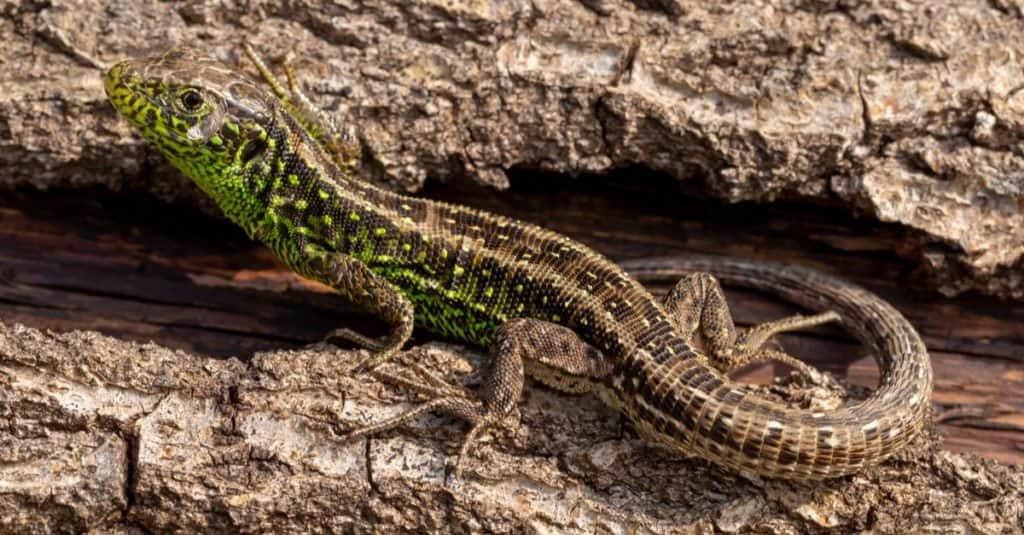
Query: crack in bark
131, 464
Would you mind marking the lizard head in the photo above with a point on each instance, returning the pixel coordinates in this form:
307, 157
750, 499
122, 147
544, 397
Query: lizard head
210, 121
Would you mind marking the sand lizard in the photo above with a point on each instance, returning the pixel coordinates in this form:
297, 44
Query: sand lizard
547, 306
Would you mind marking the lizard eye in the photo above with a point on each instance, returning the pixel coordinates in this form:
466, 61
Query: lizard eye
191, 100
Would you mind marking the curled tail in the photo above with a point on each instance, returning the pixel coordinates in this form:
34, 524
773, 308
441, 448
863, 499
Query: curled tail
789, 443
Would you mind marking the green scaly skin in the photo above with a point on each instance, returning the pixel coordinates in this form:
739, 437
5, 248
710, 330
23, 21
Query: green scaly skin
249, 152
544, 303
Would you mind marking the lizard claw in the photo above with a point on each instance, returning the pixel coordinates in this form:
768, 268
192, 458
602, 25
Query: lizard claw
447, 399
381, 349
453, 470
358, 339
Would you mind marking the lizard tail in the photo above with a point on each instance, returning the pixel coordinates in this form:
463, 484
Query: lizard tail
855, 435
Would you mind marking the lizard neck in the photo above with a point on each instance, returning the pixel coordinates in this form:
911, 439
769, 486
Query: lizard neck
301, 198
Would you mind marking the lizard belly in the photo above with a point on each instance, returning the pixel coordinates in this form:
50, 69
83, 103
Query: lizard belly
450, 319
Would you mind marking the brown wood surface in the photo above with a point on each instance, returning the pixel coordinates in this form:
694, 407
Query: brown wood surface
136, 268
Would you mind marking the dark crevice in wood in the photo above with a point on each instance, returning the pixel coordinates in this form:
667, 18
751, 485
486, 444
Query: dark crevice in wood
134, 267
127, 296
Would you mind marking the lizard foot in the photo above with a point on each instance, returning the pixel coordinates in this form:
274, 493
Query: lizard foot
750, 345
454, 469
339, 142
360, 340
447, 399
381, 349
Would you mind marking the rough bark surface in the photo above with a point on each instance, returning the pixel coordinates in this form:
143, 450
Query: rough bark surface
104, 433
908, 111
101, 433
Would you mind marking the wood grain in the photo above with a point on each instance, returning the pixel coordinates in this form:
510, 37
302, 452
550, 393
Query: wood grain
136, 268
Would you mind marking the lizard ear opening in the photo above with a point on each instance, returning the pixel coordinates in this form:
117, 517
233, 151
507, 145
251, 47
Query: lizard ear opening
253, 147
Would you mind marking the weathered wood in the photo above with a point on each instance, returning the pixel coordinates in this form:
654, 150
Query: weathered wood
189, 281
250, 443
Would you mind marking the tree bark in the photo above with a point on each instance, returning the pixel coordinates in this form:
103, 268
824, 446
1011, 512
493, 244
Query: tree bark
907, 113
103, 434
238, 429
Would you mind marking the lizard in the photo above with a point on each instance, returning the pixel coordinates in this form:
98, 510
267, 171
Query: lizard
546, 306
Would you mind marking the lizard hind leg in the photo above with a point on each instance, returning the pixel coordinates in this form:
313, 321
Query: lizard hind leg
697, 305
570, 364
341, 144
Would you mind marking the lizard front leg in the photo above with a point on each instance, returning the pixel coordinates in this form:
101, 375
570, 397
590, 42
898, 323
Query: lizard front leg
367, 290
697, 303
552, 353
